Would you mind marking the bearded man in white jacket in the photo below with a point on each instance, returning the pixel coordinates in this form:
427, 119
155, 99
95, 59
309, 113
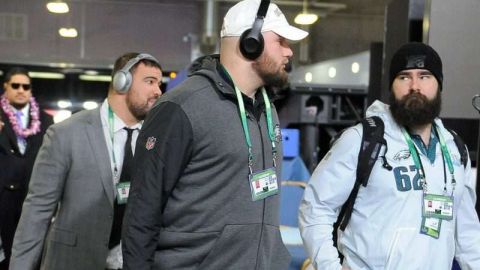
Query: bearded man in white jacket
420, 214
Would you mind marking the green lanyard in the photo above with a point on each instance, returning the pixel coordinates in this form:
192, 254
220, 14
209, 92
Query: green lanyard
112, 137
446, 154
271, 133
243, 117
418, 163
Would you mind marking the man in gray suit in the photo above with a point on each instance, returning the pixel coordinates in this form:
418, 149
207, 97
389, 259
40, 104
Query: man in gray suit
79, 177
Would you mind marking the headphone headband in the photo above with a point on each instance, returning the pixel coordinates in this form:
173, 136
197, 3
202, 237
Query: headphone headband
137, 59
122, 79
262, 10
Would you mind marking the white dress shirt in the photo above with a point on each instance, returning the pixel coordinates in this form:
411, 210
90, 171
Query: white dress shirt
21, 142
114, 259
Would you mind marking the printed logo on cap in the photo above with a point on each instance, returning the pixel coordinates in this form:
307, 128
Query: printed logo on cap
416, 61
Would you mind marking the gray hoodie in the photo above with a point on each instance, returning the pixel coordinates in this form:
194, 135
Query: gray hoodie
190, 205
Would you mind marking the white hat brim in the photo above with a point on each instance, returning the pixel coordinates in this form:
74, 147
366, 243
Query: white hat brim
290, 32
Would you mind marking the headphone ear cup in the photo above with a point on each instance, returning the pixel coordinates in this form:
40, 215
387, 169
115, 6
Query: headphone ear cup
122, 81
251, 46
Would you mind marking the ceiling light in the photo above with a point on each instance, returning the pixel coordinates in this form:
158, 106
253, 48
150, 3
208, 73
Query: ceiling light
95, 78
46, 75
305, 18
308, 77
355, 67
91, 72
90, 105
63, 104
332, 72
57, 7
68, 32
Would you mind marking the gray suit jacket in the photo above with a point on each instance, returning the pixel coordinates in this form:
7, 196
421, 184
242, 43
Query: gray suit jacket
72, 182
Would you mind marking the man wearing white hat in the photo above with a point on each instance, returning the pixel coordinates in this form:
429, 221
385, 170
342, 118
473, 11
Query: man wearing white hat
206, 190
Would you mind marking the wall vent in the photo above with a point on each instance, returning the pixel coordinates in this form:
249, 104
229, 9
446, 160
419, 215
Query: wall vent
13, 26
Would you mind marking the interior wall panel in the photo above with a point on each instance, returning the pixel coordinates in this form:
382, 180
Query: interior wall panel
454, 31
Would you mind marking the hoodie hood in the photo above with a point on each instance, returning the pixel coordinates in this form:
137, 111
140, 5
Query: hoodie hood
208, 62
210, 67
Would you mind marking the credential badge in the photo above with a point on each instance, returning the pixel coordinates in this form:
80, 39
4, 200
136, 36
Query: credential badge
278, 133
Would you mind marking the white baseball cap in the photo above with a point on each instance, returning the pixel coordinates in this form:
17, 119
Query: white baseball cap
241, 16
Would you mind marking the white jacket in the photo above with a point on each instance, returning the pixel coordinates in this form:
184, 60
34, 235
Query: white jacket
384, 230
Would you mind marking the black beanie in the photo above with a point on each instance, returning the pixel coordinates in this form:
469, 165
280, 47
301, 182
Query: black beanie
416, 55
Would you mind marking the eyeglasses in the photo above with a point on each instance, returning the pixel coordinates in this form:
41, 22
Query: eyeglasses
25, 86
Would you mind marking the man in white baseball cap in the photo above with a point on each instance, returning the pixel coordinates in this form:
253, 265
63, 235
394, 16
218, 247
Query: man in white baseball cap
255, 45
206, 192
240, 18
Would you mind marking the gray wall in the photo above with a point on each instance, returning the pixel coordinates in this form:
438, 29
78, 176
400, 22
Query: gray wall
455, 33
344, 34
108, 28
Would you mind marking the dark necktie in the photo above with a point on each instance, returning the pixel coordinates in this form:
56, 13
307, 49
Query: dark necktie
119, 209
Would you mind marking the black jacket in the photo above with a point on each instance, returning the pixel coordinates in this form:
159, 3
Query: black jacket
15, 171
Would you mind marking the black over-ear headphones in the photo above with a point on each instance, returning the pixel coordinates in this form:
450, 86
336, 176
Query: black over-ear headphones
122, 79
251, 41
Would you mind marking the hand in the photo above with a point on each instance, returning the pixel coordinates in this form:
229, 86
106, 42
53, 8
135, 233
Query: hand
1, 125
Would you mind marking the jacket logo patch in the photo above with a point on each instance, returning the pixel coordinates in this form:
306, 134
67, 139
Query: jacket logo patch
150, 143
403, 154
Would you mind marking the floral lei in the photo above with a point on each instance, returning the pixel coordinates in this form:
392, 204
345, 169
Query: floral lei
34, 114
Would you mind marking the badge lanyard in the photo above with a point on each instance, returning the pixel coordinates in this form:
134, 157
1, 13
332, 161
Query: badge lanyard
448, 158
112, 137
246, 132
418, 163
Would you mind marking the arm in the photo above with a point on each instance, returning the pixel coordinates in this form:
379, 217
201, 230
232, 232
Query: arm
328, 189
45, 190
2, 256
467, 234
156, 172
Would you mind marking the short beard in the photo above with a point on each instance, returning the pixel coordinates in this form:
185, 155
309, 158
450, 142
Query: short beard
266, 70
139, 112
415, 109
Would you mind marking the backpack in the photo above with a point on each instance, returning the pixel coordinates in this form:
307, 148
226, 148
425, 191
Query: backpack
370, 148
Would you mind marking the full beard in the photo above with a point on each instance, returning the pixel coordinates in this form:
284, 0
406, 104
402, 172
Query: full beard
415, 109
269, 74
